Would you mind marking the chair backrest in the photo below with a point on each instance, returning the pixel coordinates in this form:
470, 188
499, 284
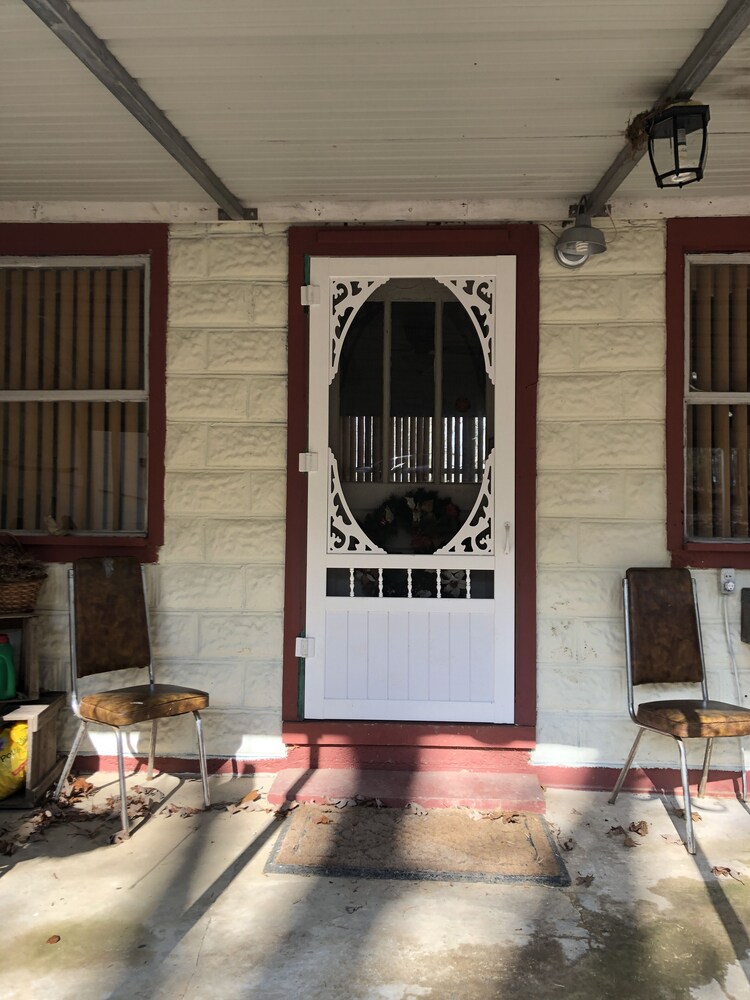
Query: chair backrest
662, 627
109, 623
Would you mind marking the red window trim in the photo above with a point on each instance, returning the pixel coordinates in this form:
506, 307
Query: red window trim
685, 236
111, 240
521, 241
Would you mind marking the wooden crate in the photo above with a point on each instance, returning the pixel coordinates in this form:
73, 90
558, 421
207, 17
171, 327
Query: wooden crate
43, 768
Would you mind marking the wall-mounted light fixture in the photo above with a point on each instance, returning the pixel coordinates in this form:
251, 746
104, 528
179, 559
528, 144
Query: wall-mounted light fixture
678, 142
577, 244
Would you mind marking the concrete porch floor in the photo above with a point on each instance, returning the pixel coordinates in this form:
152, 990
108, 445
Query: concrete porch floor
184, 910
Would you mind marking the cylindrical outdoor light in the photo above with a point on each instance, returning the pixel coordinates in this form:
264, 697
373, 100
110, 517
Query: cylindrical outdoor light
677, 143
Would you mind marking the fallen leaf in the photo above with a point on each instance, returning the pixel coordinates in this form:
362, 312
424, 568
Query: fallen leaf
615, 831
584, 879
672, 838
416, 809
352, 909
81, 788
511, 817
721, 872
323, 820
250, 797
53, 939
697, 818
568, 845
641, 828
629, 842
576, 813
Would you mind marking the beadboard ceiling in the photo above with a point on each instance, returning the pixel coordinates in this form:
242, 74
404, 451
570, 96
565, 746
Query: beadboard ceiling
292, 102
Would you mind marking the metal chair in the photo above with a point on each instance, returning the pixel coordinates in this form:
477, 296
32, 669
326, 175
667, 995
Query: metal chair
663, 646
108, 632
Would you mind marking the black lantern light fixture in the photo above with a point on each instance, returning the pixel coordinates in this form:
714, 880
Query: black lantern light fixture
575, 245
677, 143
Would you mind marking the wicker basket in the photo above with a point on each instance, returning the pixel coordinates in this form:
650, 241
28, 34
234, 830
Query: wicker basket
19, 596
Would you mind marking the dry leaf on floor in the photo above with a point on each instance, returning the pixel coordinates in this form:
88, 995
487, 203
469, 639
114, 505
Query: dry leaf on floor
615, 831
324, 820
722, 872
629, 842
510, 817
250, 797
641, 828
182, 811
584, 879
80, 788
568, 845
416, 809
352, 909
681, 813
284, 809
53, 939
672, 838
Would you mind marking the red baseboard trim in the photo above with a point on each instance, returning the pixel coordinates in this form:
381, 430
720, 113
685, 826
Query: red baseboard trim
652, 780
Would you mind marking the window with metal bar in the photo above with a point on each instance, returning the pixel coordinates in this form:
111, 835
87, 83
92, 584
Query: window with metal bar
717, 399
74, 395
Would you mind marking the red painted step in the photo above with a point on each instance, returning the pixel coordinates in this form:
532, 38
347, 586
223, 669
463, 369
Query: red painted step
430, 789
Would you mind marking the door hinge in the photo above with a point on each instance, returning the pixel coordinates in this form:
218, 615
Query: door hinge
304, 647
308, 461
310, 295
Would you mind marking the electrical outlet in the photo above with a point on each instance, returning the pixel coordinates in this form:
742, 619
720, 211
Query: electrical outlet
727, 581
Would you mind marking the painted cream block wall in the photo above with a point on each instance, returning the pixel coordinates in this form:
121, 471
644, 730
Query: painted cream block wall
217, 590
601, 498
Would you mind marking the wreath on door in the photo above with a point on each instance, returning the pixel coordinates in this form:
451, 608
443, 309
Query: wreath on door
426, 519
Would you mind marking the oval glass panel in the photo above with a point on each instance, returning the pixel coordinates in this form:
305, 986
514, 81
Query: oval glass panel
410, 416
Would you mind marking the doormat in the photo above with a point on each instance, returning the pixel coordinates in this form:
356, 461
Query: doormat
442, 845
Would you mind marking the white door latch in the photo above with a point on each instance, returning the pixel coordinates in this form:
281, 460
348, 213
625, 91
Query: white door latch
308, 461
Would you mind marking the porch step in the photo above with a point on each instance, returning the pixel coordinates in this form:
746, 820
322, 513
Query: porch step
429, 789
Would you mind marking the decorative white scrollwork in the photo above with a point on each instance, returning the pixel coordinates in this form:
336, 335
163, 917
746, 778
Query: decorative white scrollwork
475, 535
477, 296
347, 295
344, 534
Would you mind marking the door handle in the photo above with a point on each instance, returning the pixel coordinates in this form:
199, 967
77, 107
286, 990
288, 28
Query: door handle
507, 538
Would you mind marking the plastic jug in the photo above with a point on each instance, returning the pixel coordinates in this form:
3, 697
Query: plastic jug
7, 670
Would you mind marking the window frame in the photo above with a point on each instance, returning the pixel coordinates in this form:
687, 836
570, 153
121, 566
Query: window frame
692, 237
120, 241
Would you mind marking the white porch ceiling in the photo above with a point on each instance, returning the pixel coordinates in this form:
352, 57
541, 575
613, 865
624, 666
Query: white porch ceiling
290, 101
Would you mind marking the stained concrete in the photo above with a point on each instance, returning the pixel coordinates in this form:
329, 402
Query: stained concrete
184, 910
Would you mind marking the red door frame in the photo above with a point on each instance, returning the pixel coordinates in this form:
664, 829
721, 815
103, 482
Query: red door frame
521, 241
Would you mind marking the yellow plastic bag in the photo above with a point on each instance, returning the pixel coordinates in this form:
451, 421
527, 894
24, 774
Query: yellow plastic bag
13, 757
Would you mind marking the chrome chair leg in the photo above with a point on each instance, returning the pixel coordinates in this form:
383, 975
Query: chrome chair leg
69, 762
706, 765
202, 759
626, 767
686, 799
123, 789
151, 751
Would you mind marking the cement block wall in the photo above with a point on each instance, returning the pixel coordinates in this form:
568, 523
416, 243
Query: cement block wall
602, 498
217, 589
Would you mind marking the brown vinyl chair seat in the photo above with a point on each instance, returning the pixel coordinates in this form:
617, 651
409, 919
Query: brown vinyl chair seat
691, 719
143, 703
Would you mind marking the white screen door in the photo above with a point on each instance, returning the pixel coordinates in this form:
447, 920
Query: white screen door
410, 546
